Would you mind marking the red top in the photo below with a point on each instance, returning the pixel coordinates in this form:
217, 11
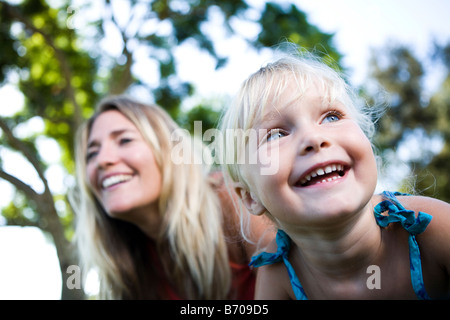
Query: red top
242, 282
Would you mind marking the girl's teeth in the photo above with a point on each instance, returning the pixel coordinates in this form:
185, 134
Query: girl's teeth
322, 171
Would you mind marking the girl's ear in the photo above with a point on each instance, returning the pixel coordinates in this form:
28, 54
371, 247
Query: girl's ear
250, 201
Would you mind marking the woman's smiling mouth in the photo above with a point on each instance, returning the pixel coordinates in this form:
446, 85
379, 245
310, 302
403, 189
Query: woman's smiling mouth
115, 179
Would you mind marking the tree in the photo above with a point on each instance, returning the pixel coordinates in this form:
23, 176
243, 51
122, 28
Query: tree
42, 51
62, 72
288, 23
411, 116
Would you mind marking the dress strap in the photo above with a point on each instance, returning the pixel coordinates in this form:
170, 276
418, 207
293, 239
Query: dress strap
396, 213
264, 258
414, 226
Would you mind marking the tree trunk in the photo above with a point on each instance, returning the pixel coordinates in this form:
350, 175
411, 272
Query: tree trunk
66, 252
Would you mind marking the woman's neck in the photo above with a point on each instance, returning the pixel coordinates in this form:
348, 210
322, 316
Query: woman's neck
147, 219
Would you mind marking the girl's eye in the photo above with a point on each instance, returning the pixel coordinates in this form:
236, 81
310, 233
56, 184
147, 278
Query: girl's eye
332, 116
275, 134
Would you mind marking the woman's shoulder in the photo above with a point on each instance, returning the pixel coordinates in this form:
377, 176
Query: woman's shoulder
233, 213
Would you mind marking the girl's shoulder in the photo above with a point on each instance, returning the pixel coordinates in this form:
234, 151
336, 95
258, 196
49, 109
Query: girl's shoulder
435, 239
438, 209
272, 282
424, 204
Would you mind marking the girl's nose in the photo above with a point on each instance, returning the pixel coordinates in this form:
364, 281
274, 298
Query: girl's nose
313, 142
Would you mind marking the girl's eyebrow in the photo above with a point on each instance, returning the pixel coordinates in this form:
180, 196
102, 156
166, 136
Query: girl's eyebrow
268, 117
272, 115
113, 134
277, 111
265, 115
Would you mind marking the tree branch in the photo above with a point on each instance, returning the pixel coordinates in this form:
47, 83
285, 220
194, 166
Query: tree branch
20, 146
21, 222
60, 56
20, 185
122, 82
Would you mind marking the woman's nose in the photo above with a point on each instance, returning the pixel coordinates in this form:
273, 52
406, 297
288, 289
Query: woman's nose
107, 155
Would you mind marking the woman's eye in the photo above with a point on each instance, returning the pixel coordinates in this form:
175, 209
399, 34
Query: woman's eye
125, 140
275, 134
90, 155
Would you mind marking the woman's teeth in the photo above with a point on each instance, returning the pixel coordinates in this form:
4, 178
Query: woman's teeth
115, 180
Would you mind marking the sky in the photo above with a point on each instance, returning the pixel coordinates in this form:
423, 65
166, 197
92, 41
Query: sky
359, 26
28, 263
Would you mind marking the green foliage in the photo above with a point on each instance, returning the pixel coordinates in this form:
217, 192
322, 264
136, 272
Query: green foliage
21, 212
411, 115
288, 23
9, 54
203, 113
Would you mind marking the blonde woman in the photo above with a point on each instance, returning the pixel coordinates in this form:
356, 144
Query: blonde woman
153, 227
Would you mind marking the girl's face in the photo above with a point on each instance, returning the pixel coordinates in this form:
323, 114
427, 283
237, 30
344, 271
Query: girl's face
325, 163
121, 168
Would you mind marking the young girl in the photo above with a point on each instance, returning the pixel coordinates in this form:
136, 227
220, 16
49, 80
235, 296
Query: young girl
152, 227
336, 239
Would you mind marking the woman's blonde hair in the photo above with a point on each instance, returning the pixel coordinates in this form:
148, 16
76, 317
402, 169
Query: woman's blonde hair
190, 242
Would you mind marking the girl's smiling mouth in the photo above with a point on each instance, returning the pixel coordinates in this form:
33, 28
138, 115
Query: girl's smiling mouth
322, 174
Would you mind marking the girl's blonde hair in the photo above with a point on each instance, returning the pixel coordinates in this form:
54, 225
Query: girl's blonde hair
190, 242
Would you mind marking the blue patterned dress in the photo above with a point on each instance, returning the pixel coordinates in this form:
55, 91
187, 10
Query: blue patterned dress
395, 213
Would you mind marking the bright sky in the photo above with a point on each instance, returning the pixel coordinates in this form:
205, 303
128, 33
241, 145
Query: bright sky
28, 263
358, 27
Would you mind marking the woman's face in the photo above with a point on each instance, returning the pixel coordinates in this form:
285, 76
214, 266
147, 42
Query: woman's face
121, 168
